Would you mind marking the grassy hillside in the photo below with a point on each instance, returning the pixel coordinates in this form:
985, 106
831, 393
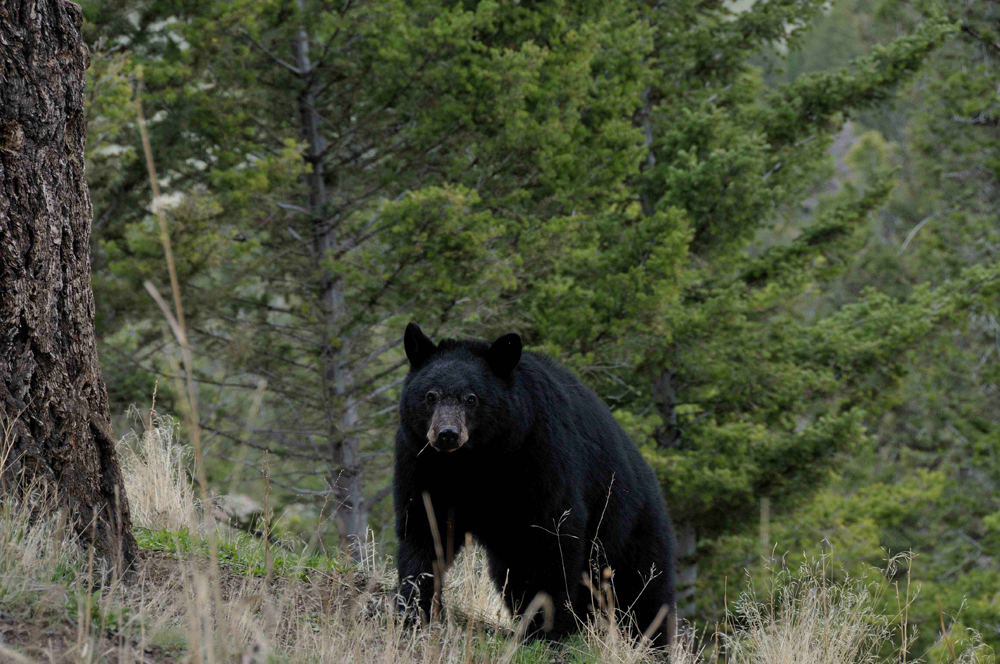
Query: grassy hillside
204, 592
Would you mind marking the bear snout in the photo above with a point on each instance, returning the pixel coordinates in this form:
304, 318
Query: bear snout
447, 431
447, 439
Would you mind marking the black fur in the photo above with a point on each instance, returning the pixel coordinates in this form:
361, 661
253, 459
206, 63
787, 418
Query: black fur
531, 485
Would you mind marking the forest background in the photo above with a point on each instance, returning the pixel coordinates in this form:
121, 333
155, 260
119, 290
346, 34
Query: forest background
766, 235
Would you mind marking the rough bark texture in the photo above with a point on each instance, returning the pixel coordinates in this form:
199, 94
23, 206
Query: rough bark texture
52, 396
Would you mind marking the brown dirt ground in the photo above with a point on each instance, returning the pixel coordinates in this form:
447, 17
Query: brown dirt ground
42, 636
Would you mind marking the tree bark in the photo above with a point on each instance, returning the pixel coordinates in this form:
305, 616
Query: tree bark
648, 205
687, 569
669, 436
664, 395
345, 473
53, 401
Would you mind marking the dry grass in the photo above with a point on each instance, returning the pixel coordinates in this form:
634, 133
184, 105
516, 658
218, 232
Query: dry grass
469, 589
806, 619
38, 551
57, 605
159, 493
803, 618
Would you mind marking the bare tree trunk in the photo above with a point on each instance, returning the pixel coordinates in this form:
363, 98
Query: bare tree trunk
687, 569
338, 381
664, 394
648, 207
53, 402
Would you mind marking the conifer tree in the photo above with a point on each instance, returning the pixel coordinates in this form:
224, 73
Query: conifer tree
346, 167
924, 483
688, 328
595, 175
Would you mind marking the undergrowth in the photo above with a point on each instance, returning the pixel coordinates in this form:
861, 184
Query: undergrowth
239, 553
202, 592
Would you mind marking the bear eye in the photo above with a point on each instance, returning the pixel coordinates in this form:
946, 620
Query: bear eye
431, 396
471, 401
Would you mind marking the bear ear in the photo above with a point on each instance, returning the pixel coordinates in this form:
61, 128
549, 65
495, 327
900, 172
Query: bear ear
418, 347
504, 354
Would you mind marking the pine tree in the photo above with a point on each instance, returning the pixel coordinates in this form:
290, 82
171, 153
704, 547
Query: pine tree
923, 482
600, 177
687, 327
348, 167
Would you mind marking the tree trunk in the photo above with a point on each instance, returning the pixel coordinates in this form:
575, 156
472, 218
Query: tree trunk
648, 206
687, 569
664, 395
345, 474
668, 436
53, 402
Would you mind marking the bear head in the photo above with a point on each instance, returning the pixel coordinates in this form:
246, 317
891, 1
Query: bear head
458, 393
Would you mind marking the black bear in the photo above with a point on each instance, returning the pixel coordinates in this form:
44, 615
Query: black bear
515, 450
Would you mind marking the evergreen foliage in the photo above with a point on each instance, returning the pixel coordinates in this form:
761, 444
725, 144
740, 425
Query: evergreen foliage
925, 483
623, 183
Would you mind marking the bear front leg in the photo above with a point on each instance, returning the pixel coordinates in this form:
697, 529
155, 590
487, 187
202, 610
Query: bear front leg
418, 562
415, 564
564, 620
568, 609
562, 580
559, 579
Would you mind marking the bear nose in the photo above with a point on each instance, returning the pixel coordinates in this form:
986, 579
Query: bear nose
447, 437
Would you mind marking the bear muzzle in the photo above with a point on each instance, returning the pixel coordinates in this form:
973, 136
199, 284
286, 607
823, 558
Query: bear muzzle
447, 431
